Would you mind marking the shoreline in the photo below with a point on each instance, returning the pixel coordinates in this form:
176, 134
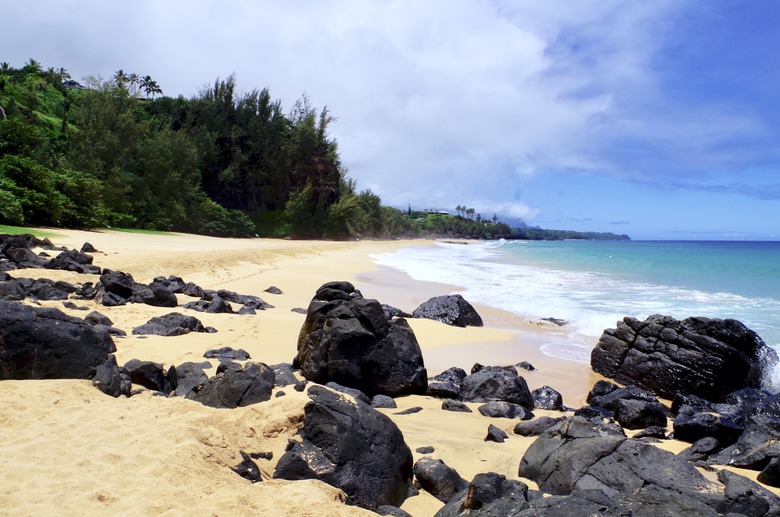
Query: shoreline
179, 453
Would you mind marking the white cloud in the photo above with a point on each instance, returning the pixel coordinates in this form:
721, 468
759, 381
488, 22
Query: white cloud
438, 102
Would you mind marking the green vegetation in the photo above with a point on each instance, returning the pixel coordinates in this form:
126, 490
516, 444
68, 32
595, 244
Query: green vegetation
117, 153
19, 230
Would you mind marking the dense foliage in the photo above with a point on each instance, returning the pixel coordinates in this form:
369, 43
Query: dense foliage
117, 153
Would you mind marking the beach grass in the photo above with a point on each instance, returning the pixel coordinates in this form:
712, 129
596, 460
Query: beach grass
145, 232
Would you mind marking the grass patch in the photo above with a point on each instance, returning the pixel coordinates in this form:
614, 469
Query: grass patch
19, 230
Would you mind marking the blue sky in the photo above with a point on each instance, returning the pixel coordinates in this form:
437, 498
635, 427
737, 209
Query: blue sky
656, 119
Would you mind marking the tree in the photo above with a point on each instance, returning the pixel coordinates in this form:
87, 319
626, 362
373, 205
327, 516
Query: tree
150, 86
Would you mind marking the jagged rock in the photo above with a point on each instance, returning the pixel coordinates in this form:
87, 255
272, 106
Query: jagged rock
117, 283
237, 387
246, 300
214, 306
744, 497
449, 309
351, 446
594, 413
455, 405
173, 283
536, 426
452, 375
496, 383
439, 480
691, 425
186, 377
495, 434
88, 248
156, 295
501, 409
632, 407
46, 343
247, 468
758, 444
393, 312
706, 357
488, 495
579, 455
273, 290
525, 365
173, 324
227, 353
347, 339
111, 379
149, 375
194, 290
701, 449
547, 398
73, 260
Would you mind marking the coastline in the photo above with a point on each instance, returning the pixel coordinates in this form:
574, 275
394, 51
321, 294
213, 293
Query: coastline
166, 456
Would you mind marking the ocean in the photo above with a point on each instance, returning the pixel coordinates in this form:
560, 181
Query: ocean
593, 284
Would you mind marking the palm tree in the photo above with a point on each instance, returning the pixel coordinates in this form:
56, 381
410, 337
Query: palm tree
150, 86
458, 209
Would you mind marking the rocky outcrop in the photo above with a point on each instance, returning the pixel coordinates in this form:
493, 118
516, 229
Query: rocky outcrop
631, 407
347, 339
351, 446
701, 356
489, 495
41, 343
579, 456
449, 309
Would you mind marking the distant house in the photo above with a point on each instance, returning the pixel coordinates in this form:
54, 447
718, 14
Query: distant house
73, 85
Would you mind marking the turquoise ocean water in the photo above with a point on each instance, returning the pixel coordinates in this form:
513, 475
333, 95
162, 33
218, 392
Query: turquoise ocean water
593, 284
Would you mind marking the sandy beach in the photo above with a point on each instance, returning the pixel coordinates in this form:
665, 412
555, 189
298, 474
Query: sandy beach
69, 449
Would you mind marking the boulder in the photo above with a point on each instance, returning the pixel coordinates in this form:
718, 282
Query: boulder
350, 446
95, 318
439, 480
706, 357
449, 309
632, 407
154, 294
45, 343
383, 402
352, 392
502, 409
700, 450
347, 339
496, 383
455, 405
117, 283
172, 324
173, 283
149, 375
285, 375
443, 390
186, 378
394, 312
547, 398
770, 475
691, 425
273, 290
452, 375
216, 306
237, 387
111, 379
227, 353
246, 300
495, 434
758, 444
536, 426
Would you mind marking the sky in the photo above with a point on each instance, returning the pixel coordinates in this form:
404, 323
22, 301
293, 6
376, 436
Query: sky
655, 119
